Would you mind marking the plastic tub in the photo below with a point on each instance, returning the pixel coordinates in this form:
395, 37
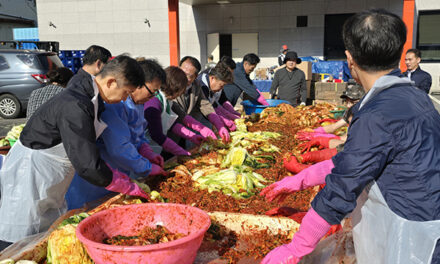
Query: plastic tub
12, 142
130, 219
250, 108
338, 113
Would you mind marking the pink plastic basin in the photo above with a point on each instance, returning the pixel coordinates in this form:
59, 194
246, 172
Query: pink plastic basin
130, 219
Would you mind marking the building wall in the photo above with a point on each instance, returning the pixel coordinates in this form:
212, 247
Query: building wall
275, 22
118, 25
432, 68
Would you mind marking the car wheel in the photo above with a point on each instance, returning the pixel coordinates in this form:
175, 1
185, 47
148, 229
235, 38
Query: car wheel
9, 106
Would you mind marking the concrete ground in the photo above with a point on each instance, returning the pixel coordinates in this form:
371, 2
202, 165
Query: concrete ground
7, 124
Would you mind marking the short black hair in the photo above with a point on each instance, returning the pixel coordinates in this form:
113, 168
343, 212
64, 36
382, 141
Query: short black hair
194, 62
415, 51
153, 70
124, 69
229, 61
60, 75
375, 39
94, 53
221, 72
176, 81
210, 57
252, 58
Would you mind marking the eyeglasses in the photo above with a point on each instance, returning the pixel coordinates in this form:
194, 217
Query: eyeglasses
153, 94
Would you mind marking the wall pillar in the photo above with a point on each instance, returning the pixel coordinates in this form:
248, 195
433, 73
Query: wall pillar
408, 19
173, 25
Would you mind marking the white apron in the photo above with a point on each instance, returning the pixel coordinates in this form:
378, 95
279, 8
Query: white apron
33, 185
168, 117
382, 237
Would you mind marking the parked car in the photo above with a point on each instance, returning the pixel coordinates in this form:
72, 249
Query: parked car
21, 72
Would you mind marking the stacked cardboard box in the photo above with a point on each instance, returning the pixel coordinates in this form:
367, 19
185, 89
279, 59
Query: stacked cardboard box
306, 67
261, 74
329, 92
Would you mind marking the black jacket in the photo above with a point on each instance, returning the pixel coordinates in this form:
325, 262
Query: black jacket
242, 83
68, 118
422, 79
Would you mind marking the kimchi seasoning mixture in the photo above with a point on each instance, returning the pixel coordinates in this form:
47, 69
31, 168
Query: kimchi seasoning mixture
147, 236
179, 188
233, 247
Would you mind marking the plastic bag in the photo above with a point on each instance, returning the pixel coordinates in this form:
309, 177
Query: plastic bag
335, 249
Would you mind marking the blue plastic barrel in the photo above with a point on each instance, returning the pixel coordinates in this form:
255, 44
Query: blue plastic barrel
250, 107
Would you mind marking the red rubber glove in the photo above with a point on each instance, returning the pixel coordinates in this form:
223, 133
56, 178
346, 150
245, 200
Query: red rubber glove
319, 155
293, 166
317, 141
290, 212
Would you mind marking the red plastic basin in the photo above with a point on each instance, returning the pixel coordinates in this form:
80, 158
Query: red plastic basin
130, 219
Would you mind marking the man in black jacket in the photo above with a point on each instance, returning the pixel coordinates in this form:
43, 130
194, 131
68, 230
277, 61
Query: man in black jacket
59, 138
94, 60
422, 79
242, 82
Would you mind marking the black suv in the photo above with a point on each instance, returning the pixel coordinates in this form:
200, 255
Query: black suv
21, 72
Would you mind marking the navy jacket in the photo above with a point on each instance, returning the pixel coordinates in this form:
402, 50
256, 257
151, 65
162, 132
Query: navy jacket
393, 139
422, 79
242, 83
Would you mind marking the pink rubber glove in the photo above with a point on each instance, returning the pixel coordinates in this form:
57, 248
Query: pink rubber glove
261, 99
171, 147
190, 122
312, 229
148, 153
121, 183
228, 123
312, 176
302, 135
218, 123
185, 133
228, 107
224, 134
157, 170
320, 130
219, 110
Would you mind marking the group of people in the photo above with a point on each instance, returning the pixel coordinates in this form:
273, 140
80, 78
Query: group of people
289, 82
119, 118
